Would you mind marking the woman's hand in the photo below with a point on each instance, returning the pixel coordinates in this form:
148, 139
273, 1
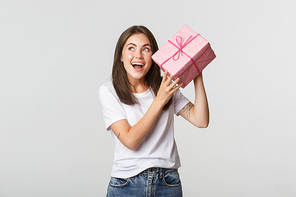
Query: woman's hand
167, 88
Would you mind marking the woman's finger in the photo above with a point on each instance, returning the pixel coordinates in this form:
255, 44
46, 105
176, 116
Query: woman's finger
165, 76
176, 87
169, 80
174, 83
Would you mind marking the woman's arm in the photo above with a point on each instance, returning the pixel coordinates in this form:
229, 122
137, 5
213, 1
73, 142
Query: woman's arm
132, 137
197, 113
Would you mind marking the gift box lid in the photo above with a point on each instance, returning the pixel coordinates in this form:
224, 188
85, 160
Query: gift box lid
181, 51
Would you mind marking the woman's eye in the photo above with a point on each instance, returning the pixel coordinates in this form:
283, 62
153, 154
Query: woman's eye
146, 49
131, 48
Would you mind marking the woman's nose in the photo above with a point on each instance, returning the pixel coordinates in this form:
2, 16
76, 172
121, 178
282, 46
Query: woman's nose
138, 54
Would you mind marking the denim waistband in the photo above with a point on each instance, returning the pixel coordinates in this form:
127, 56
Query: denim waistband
153, 170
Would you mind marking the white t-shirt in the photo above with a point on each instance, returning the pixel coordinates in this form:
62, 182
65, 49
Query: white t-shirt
158, 149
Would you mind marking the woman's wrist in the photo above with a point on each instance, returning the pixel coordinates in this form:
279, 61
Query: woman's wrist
159, 104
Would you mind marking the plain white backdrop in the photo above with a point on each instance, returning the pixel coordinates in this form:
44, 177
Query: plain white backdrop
54, 55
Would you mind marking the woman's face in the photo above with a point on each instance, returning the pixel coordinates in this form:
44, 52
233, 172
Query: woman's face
136, 57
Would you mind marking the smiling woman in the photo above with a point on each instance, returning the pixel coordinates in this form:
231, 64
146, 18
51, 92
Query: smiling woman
119, 73
136, 58
138, 107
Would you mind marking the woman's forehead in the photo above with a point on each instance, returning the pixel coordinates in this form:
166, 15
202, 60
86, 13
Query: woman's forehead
138, 39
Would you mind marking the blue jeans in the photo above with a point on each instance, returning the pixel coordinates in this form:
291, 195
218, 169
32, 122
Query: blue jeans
156, 182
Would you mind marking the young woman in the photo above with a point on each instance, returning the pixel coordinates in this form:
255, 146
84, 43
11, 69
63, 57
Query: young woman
138, 107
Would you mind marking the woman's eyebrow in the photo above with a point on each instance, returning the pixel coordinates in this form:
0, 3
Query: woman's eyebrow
136, 45
131, 44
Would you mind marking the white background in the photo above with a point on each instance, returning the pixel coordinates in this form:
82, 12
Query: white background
55, 54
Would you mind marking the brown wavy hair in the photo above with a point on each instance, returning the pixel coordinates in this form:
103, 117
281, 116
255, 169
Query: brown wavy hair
119, 76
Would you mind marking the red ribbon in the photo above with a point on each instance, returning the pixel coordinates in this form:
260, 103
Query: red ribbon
180, 51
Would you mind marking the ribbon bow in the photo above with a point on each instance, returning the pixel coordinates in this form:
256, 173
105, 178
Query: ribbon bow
180, 46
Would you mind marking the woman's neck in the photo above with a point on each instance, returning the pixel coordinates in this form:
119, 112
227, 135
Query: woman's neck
139, 87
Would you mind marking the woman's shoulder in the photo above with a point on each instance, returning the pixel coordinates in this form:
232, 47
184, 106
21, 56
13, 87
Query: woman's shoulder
107, 84
106, 88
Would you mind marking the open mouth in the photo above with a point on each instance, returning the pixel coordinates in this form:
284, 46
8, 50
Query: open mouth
138, 66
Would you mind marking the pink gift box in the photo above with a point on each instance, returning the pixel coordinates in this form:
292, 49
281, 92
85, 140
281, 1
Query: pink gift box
185, 55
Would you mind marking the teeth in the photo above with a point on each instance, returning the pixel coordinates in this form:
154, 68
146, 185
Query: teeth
138, 64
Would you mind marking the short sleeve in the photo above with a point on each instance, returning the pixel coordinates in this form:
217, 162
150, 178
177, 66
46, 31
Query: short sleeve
179, 101
111, 105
